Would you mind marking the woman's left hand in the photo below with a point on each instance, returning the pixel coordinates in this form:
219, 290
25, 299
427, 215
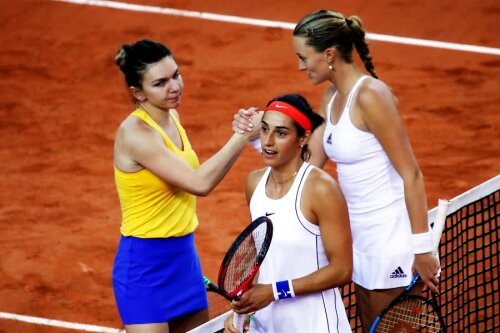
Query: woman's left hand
256, 298
427, 266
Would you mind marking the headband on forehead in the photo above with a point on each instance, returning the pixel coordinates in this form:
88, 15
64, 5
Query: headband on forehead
291, 112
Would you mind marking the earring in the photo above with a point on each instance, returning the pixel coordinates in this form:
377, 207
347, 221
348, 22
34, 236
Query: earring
301, 146
331, 68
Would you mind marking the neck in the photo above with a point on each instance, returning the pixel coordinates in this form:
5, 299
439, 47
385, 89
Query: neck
283, 181
159, 116
282, 176
345, 77
280, 182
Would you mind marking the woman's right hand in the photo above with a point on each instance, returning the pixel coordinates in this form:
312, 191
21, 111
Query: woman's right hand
248, 121
229, 327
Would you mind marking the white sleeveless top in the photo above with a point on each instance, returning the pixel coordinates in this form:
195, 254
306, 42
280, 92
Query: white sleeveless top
296, 250
375, 196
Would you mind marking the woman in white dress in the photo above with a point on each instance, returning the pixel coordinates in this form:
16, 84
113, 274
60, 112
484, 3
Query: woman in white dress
311, 251
379, 175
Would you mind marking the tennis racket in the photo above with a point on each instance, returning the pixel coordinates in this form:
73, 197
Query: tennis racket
413, 313
210, 286
241, 263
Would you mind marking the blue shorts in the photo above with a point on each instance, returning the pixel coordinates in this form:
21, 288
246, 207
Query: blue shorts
156, 280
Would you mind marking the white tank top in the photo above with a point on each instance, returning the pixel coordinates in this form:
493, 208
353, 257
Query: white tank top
365, 173
374, 192
296, 250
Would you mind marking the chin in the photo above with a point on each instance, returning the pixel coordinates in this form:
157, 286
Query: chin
268, 161
174, 105
314, 80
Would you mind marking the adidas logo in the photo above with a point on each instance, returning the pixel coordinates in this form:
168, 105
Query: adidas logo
398, 273
329, 139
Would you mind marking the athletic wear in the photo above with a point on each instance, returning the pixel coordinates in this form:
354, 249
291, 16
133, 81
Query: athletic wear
375, 196
150, 207
156, 273
296, 250
157, 279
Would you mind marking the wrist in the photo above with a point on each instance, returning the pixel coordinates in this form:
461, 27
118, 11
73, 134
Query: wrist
421, 243
256, 144
242, 137
283, 289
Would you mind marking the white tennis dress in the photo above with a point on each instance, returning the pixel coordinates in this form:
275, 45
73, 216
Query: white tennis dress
375, 196
296, 250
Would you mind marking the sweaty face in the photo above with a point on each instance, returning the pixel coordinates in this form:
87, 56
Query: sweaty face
280, 143
313, 63
162, 84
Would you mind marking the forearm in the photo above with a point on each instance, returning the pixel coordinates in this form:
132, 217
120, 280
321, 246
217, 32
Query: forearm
416, 203
325, 278
211, 172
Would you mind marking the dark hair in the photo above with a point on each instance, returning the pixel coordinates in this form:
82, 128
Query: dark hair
301, 104
326, 28
133, 59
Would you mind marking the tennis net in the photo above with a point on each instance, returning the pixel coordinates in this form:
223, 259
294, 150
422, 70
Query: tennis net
469, 254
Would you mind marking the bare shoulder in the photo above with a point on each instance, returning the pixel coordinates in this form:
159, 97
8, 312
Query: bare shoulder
252, 181
376, 102
320, 184
133, 130
373, 90
322, 195
254, 177
257, 174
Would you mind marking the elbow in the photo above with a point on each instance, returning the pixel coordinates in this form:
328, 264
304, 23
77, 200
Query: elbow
413, 177
203, 189
346, 276
202, 192
419, 175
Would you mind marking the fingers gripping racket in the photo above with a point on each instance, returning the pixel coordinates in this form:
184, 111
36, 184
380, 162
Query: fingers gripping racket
241, 263
413, 313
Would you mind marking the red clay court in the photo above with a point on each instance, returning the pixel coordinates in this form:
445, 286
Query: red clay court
63, 97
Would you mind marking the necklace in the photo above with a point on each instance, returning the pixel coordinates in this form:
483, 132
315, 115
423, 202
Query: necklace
276, 183
283, 181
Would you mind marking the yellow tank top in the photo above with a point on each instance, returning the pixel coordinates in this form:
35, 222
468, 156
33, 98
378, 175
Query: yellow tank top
150, 207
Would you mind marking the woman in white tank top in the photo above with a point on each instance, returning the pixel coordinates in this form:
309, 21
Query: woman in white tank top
311, 251
378, 173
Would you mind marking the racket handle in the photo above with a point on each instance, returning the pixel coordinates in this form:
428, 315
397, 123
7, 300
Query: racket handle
239, 321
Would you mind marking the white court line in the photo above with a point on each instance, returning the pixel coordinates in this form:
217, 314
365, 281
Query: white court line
278, 24
59, 323
230, 19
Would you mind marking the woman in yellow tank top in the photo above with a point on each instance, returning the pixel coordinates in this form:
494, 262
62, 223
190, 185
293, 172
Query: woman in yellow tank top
157, 277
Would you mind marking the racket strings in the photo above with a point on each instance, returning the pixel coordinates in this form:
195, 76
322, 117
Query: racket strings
244, 260
408, 316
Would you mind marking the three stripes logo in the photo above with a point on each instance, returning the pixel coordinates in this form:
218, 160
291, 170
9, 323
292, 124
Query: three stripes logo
329, 139
398, 273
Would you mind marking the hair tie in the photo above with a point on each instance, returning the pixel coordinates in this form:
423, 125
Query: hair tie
348, 21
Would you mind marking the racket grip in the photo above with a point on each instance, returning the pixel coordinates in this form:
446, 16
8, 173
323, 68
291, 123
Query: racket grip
239, 321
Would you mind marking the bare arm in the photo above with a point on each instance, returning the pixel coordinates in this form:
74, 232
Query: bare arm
318, 155
325, 203
252, 181
379, 113
145, 147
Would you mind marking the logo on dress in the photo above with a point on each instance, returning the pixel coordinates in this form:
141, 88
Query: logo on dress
398, 273
269, 214
329, 139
